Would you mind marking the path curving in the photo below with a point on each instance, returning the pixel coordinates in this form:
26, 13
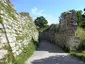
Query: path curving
48, 53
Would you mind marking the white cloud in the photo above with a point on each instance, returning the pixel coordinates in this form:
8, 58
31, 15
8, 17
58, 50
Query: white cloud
51, 19
37, 12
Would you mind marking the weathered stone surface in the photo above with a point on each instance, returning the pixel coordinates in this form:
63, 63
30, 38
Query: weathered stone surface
64, 33
20, 28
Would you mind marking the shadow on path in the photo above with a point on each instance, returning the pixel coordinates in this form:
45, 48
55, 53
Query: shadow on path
49, 53
58, 60
51, 48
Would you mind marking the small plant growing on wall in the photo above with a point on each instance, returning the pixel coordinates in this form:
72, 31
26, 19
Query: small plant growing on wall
0, 19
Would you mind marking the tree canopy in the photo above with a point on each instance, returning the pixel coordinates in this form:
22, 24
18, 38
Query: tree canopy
81, 19
41, 22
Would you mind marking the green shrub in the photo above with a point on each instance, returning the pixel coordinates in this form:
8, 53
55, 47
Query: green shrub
80, 53
81, 33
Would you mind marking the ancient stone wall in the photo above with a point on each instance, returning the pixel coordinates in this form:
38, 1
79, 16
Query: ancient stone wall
64, 33
16, 29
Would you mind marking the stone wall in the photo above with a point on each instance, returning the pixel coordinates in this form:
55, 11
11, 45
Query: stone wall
16, 29
64, 33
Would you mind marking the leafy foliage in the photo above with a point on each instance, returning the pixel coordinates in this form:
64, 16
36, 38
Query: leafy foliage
81, 33
80, 53
41, 22
79, 16
81, 19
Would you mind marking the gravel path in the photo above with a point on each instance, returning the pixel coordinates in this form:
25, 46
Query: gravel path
48, 53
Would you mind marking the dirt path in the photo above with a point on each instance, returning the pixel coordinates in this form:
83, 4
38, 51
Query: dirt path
48, 53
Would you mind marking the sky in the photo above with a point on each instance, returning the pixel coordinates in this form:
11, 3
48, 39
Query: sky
50, 9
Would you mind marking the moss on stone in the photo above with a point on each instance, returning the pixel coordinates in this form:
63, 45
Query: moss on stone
1, 5
1, 19
19, 38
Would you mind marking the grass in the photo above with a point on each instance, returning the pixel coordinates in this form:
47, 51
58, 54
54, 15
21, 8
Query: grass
21, 58
26, 53
80, 56
9, 57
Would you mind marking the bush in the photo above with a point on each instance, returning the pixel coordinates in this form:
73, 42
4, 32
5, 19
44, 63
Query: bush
81, 33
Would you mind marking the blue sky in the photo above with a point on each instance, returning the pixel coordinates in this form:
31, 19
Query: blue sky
50, 9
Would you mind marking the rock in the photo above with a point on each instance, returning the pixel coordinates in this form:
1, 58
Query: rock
2, 53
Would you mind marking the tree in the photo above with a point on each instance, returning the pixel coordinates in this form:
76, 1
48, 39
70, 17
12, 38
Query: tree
41, 22
79, 16
81, 19
84, 11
